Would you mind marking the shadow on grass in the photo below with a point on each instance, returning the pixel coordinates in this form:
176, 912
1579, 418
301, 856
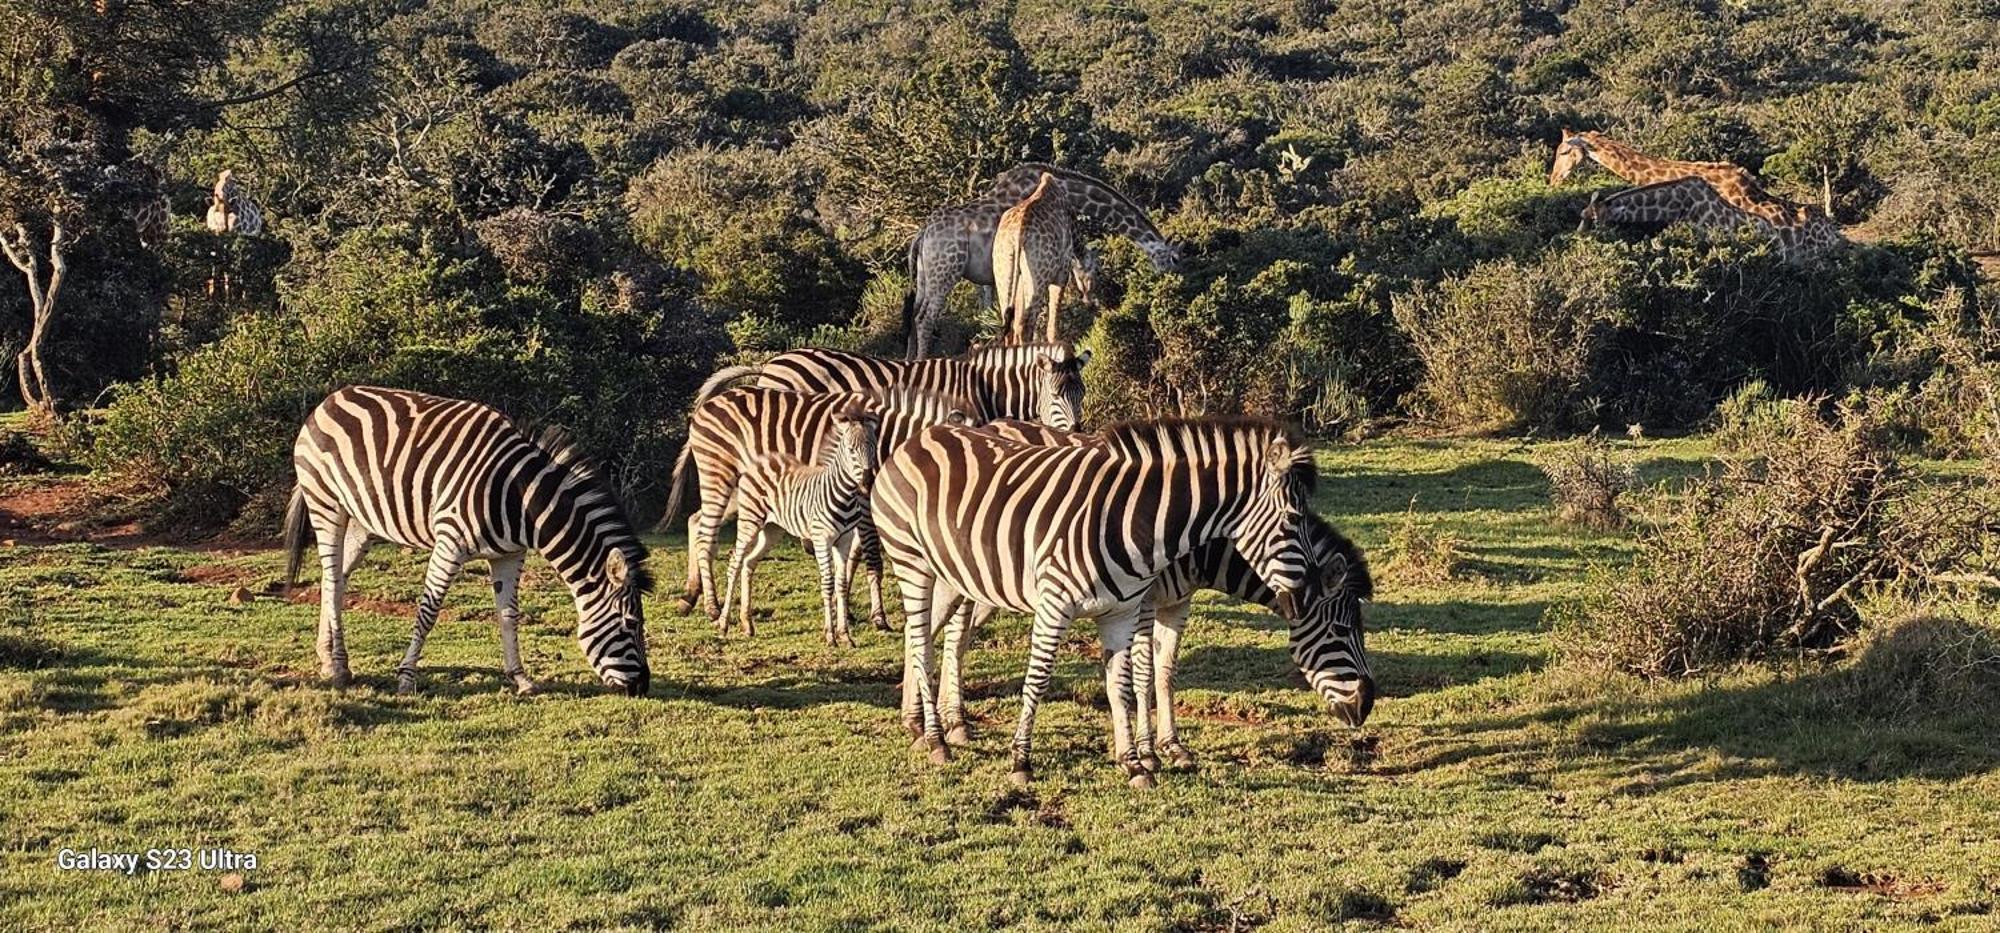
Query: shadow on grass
1456, 617
1489, 485
1903, 709
1397, 674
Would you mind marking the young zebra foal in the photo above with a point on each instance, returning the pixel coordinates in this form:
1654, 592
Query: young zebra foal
822, 503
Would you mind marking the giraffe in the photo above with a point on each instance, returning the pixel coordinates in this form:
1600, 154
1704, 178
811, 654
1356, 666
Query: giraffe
1694, 201
1033, 260
1808, 229
231, 210
957, 241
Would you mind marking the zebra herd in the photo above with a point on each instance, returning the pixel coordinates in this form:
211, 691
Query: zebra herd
966, 475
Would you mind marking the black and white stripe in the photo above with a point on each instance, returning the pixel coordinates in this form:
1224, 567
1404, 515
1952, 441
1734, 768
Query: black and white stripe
1033, 382
823, 503
728, 431
1081, 532
1326, 638
459, 479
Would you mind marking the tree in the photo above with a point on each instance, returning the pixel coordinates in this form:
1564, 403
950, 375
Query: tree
79, 80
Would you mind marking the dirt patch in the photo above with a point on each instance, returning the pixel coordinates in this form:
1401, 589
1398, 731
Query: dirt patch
1551, 886
1842, 879
387, 607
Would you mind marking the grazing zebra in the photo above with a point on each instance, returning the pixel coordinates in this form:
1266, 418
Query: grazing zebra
1034, 382
822, 503
728, 431
1326, 638
458, 478
1080, 532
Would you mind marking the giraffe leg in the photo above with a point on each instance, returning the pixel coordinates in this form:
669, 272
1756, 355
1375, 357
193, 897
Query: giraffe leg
507, 599
446, 559
1055, 302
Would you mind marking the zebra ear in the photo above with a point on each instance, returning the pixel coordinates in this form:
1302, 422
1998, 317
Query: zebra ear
616, 569
1082, 359
1333, 577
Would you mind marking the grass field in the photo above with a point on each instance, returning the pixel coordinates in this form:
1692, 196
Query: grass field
767, 783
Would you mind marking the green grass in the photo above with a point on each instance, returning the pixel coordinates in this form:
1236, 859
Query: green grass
767, 783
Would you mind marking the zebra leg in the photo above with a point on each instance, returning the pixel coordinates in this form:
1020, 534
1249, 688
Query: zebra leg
507, 598
736, 583
1167, 628
332, 533
951, 679
1114, 632
713, 509
1142, 686
825, 554
446, 559
917, 596
1044, 643
868, 548
691, 591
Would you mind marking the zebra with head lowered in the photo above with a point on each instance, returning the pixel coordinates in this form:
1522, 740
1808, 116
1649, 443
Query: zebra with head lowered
1081, 532
459, 479
1033, 382
729, 431
1327, 639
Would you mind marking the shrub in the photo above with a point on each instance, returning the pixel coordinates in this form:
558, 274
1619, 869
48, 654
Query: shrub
1421, 554
1587, 477
1748, 413
1510, 345
1769, 558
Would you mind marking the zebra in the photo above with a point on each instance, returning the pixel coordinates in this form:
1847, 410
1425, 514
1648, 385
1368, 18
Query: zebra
459, 478
729, 430
822, 503
1326, 640
1080, 532
1033, 382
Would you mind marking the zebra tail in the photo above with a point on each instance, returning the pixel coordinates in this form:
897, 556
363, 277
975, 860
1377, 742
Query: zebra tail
295, 537
721, 380
677, 486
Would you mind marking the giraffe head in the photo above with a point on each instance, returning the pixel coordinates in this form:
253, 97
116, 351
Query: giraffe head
1165, 256
1083, 269
1570, 153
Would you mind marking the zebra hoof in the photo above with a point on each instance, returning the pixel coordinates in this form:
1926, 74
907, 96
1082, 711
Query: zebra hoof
1140, 781
406, 685
940, 754
523, 686
1020, 777
915, 727
881, 622
1150, 762
959, 734
1179, 757
684, 605
919, 743
339, 679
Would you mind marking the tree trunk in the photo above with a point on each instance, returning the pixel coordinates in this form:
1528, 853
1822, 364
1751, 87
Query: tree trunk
34, 380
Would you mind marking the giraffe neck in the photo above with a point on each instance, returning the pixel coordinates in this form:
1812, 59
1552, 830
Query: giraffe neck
1630, 164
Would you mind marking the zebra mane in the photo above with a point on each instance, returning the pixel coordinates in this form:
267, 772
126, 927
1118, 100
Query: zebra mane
1018, 351
1132, 438
562, 449
1359, 581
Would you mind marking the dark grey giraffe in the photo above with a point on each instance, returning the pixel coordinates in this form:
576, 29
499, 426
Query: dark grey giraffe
957, 242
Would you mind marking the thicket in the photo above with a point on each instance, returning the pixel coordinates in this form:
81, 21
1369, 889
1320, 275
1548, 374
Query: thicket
1774, 557
574, 209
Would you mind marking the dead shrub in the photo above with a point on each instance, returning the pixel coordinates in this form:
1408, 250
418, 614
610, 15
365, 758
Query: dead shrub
1587, 477
1422, 554
1769, 557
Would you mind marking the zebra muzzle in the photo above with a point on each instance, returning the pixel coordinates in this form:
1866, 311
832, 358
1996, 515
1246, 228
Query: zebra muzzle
1288, 605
